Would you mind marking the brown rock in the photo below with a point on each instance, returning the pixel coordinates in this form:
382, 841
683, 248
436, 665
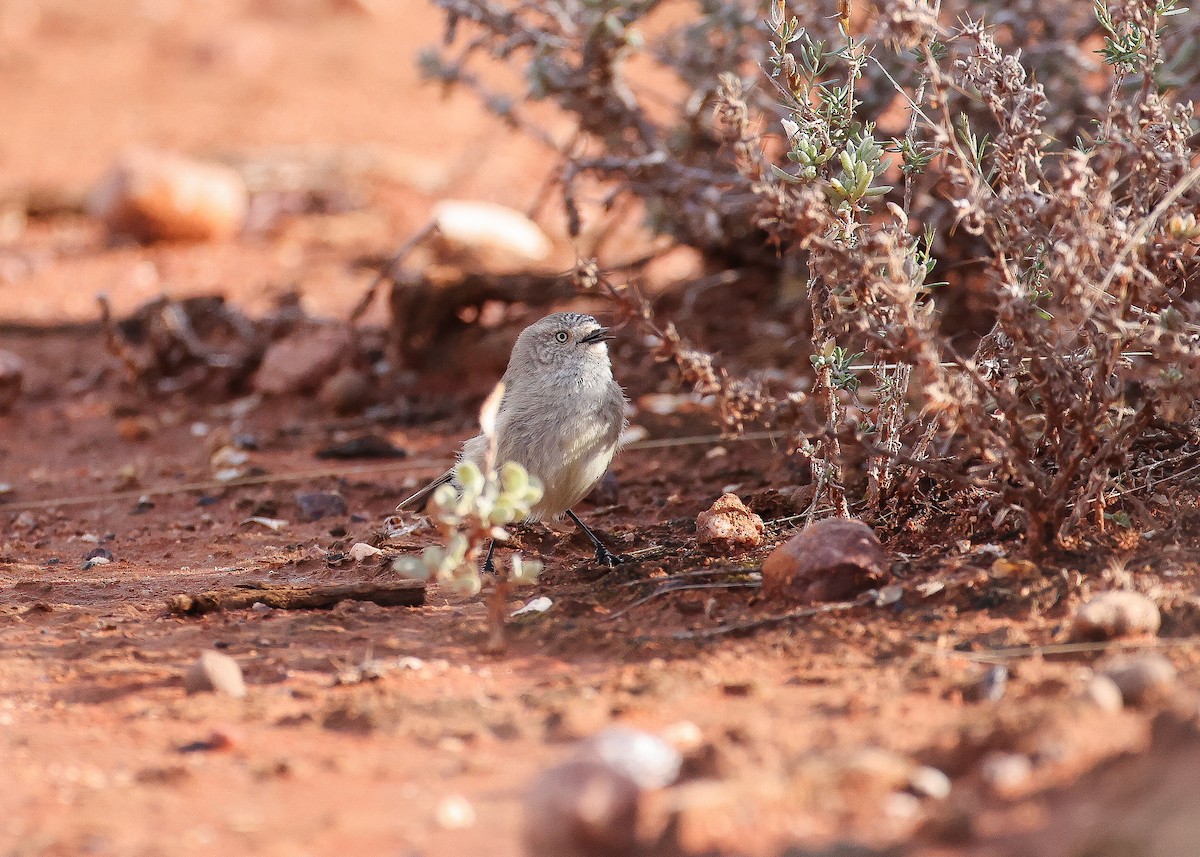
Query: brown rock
830, 560
1116, 614
153, 195
581, 808
301, 362
12, 378
347, 392
729, 525
1142, 679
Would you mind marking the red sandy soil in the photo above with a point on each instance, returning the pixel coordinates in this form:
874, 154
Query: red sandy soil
805, 725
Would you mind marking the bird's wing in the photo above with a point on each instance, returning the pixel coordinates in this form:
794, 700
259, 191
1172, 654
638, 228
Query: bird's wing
417, 501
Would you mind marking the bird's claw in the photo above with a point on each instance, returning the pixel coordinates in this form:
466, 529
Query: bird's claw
607, 558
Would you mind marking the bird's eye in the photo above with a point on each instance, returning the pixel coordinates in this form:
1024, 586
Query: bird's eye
561, 336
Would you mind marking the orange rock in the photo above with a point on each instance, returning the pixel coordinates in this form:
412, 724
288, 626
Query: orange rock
154, 195
729, 525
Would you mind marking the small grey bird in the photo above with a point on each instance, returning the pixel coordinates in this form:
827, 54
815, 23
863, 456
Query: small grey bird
560, 418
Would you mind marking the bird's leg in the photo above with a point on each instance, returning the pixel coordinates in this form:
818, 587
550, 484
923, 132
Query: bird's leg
489, 566
604, 556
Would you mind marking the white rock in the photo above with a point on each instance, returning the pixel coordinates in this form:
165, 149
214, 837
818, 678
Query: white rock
646, 759
455, 812
474, 226
217, 673
1103, 692
930, 782
1142, 679
362, 550
1006, 773
1116, 614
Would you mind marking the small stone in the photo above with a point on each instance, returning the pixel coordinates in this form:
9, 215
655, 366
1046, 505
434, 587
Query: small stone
648, 760
1103, 692
455, 812
301, 362
929, 782
217, 673
1116, 614
361, 550
348, 391
1142, 679
831, 560
990, 686
315, 505
728, 525
490, 232
685, 736
153, 195
12, 379
1006, 773
582, 808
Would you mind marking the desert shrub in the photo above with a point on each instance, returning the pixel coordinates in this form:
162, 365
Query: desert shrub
872, 154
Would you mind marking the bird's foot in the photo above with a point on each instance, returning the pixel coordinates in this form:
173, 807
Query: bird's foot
608, 559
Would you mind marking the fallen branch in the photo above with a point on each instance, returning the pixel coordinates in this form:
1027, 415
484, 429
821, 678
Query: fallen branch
405, 593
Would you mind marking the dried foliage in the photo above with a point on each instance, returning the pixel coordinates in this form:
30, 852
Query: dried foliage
1065, 202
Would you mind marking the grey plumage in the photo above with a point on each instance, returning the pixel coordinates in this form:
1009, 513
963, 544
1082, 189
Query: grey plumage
561, 415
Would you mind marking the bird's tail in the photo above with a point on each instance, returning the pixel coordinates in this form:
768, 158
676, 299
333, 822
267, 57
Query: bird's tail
417, 502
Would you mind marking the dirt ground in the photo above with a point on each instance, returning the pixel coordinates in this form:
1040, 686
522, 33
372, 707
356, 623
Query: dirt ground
387, 730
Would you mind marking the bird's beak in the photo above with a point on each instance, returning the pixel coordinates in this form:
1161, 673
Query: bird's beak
600, 334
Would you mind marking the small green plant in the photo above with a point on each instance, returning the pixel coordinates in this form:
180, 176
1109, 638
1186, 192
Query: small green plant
472, 513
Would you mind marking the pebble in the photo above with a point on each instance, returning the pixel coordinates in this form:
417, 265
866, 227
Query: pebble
831, 560
455, 812
348, 391
1006, 773
650, 761
301, 362
1142, 679
685, 736
12, 379
1115, 614
581, 808
155, 195
729, 525
1103, 692
361, 550
217, 673
926, 781
315, 505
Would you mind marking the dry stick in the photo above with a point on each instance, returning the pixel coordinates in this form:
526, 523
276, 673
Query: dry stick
1181, 187
668, 588
385, 272
994, 655
115, 343
406, 593
768, 621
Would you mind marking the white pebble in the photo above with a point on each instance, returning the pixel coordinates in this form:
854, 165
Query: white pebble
454, 812
646, 759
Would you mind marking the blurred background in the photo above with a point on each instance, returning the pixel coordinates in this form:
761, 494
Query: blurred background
317, 106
